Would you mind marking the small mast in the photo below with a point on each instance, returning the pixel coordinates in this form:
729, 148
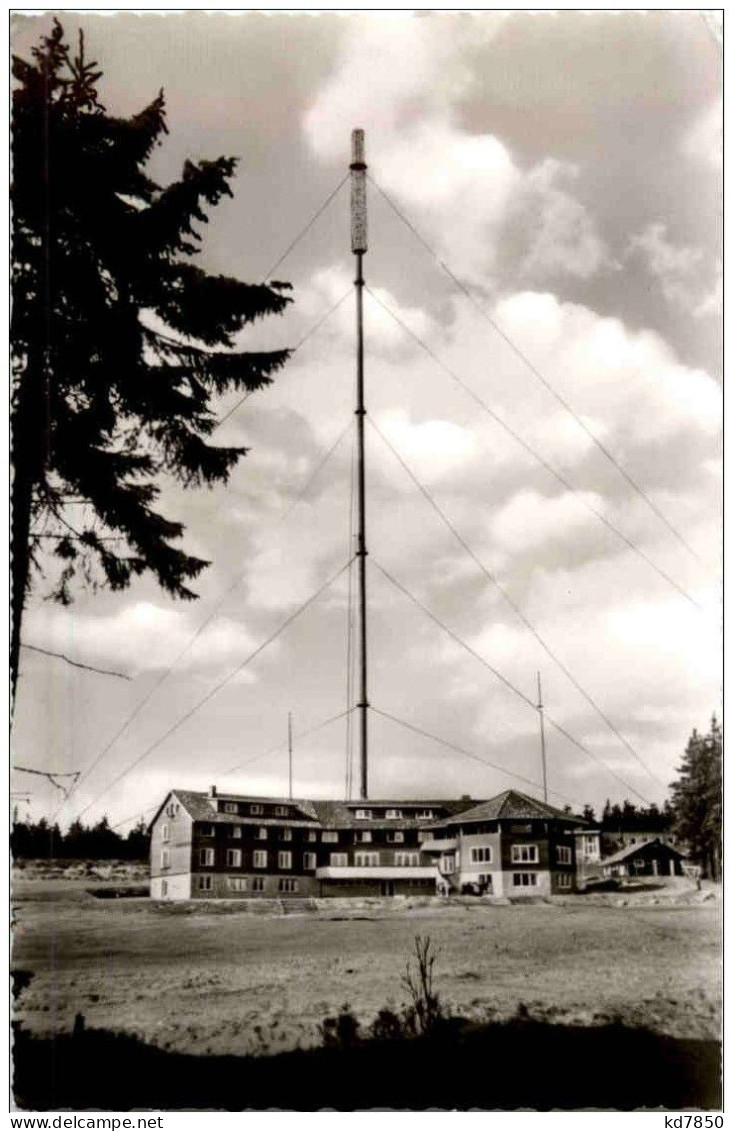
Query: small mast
540, 710
359, 247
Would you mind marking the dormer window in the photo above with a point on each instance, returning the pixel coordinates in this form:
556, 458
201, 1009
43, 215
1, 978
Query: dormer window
256, 810
207, 830
231, 807
425, 815
393, 814
363, 814
281, 810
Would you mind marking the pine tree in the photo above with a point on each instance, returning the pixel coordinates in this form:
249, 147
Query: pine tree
137, 845
697, 798
120, 343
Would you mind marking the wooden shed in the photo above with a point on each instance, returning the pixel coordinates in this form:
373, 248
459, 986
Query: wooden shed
650, 858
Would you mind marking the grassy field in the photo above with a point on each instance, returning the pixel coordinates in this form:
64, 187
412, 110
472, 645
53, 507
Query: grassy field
212, 979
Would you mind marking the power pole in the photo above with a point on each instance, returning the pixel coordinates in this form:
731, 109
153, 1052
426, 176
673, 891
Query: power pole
542, 735
290, 756
359, 247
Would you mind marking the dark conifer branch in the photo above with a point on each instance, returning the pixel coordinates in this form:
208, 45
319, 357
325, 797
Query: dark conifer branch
101, 403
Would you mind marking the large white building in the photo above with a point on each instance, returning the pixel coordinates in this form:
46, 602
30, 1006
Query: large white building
212, 845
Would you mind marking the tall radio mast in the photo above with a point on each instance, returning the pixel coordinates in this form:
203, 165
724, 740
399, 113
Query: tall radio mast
359, 247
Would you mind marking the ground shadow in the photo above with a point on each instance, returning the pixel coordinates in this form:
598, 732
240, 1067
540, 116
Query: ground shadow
519, 1064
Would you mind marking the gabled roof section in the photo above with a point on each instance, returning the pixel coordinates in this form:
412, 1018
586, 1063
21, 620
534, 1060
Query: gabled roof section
512, 805
160, 808
632, 849
200, 807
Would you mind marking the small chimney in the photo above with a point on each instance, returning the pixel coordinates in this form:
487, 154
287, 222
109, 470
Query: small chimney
212, 791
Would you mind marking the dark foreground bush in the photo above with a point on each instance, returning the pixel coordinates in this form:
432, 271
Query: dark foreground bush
520, 1064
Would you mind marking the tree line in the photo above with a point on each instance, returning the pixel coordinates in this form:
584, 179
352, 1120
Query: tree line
694, 810
631, 818
43, 841
693, 813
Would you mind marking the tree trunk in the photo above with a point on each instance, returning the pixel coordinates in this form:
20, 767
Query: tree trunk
29, 441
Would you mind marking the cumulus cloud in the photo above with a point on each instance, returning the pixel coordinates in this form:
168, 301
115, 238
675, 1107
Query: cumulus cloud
563, 239
703, 142
711, 304
629, 380
463, 187
139, 638
675, 267
287, 562
530, 520
434, 448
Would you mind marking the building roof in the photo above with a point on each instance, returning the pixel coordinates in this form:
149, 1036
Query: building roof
512, 805
632, 849
342, 814
328, 814
200, 806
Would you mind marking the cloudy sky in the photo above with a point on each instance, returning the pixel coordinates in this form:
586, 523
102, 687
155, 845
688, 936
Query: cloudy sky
566, 169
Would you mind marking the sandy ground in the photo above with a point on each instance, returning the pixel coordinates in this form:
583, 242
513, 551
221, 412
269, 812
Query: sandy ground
211, 978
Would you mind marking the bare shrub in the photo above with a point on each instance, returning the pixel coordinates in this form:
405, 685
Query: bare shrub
426, 1009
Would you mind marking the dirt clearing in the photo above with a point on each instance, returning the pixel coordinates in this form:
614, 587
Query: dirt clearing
213, 979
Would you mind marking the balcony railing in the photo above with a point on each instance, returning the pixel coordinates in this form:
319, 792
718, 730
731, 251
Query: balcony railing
378, 872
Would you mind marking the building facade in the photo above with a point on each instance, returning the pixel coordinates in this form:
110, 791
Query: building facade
230, 846
587, 855
511, 846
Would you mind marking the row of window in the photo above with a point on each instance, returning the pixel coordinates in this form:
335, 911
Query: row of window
372, 859
207, 859
494, 827
328, 836
393, 814
529, 879
286, 884
234, 832
255, 809
484, 854
244, 883
521, 854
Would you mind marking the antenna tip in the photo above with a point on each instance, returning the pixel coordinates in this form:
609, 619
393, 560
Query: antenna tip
357, 147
